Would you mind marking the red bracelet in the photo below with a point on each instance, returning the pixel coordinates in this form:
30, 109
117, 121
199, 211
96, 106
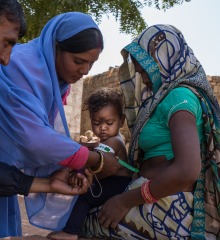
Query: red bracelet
146, 194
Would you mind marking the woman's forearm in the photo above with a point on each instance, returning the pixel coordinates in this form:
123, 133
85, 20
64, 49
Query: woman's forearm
40, 185
13, 181
132, 198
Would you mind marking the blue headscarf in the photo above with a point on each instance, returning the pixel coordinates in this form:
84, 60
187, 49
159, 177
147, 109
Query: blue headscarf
34, 131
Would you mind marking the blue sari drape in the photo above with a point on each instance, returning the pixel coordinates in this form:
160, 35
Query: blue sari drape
34, 131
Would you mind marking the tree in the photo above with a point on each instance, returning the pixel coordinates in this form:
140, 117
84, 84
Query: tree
127, 12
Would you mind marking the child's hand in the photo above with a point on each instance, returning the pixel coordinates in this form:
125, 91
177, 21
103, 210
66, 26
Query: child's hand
91, 145
89, 176
77, 179
89, 140
65, 181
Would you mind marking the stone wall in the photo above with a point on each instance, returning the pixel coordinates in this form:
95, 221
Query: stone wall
73, 109
79, 121
215, 83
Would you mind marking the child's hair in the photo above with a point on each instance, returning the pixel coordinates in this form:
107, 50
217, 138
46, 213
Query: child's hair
102, 97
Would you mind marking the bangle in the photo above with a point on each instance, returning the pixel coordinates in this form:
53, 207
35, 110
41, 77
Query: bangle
99, 169
146, 194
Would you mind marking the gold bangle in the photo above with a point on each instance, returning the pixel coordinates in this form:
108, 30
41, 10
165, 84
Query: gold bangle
99, 169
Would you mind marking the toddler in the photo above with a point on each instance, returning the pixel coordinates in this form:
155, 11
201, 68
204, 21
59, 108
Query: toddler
105, 107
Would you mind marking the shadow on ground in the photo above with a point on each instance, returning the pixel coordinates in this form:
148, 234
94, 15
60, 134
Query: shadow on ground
28, 231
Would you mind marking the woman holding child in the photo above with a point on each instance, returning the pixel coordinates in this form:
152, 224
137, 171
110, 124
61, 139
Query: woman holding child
174, 120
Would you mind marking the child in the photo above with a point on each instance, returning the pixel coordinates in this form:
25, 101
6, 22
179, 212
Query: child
106, 113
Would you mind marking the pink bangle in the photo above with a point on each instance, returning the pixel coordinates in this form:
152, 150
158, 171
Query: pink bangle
146, 194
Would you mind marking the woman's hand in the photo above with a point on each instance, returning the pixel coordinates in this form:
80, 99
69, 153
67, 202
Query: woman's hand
112, 212
111, 165
115, 209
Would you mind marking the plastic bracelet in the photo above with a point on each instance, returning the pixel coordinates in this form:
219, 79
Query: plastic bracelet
124, 164
99, 169
146, 194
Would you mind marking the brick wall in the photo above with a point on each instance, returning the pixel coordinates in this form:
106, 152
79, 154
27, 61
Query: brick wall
73, 109
215, 83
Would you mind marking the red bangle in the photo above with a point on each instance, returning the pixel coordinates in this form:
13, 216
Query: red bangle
146, 194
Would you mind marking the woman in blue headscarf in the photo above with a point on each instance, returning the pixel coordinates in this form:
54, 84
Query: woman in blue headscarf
174, 119
34, 131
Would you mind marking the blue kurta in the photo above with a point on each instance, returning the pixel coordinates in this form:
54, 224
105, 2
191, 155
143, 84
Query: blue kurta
34, 131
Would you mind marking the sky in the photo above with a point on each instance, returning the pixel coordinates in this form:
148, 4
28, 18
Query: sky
198, 20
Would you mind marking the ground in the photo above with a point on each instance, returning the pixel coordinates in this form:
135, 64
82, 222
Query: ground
29, 231
27, 228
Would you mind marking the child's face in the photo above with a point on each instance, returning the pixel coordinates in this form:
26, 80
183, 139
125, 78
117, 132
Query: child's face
106, 122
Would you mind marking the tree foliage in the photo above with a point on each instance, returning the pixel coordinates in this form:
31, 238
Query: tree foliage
126, 12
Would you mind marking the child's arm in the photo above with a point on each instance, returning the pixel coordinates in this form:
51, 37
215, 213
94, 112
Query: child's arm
118, 145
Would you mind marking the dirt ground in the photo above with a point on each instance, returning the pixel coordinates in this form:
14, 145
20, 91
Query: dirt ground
29, 231
27, 228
